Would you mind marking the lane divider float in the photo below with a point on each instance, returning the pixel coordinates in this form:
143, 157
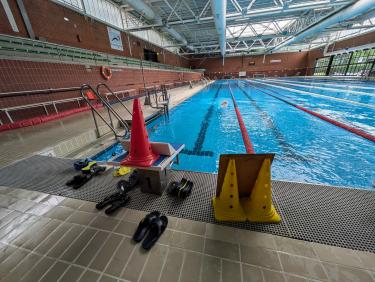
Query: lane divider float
349, 128
333, 84
307, 85
317, 95
245, 135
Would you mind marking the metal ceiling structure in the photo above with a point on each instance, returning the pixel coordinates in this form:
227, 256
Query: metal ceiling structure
252, 26
233, 27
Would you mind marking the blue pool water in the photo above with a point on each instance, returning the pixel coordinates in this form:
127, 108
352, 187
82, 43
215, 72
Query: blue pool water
307, 148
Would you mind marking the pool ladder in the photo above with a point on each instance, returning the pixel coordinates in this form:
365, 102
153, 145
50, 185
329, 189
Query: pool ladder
112, 113
160, 102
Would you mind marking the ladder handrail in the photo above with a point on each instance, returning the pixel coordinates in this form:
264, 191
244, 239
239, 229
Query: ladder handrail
164, 92
109, 109
165, 96
154, 93
114, 94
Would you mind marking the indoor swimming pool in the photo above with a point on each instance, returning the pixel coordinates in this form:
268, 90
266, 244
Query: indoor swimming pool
307, 148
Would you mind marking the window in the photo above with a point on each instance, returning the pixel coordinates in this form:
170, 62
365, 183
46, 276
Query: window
361, 63
357, 63
111, 13
339, 64
150, 55
321, 66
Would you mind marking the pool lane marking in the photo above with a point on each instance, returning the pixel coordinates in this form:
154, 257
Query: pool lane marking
245, 135
349, 128
285, 146
299, 84
315, 94
198, 145
334, 84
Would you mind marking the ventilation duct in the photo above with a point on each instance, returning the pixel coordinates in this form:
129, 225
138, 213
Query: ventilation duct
219, 11
146, 11
356, 9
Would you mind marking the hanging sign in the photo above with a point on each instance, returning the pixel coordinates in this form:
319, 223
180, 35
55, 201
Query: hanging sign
115, 39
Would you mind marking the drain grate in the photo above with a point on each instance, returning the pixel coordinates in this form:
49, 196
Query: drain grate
329, 215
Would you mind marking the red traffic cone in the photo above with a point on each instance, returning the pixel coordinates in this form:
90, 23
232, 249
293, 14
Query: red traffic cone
140, 148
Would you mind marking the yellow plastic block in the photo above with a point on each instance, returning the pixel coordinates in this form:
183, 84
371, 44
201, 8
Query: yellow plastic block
227, 206
259, 207
123, 170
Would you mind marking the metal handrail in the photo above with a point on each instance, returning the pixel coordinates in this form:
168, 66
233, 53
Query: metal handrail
113, 94
164, 96
35, 105
109, 110
37, 91
40, 104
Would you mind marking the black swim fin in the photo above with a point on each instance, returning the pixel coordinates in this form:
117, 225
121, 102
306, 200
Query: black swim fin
118, 204
157, 228
108, 200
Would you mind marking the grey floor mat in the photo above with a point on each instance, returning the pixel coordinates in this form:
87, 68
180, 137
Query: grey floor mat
335, 216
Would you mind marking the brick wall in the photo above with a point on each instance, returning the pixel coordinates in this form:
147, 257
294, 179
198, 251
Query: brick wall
338, 46
47, 20
26, 75
291, 64
353, 42
296, 63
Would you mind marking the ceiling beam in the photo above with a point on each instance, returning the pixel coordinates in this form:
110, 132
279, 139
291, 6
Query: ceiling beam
265, 13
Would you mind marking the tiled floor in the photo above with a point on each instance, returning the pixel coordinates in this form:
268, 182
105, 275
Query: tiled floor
52, 238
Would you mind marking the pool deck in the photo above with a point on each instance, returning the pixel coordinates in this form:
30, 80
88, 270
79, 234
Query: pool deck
45, 237
20, 143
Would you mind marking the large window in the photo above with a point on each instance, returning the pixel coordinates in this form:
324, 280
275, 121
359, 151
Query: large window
321, 66
361, 62
339, 64
357, 63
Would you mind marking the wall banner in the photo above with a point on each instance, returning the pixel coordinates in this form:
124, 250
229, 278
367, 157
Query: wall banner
115, 39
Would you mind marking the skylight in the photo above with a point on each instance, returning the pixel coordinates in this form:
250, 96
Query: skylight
264, 28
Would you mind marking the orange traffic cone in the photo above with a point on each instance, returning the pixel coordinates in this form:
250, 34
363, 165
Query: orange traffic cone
140, 148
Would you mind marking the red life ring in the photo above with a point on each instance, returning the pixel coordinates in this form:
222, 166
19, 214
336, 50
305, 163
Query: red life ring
106, 72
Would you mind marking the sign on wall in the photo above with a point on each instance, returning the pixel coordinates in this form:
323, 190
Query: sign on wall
276, 61
242, 74
115, 39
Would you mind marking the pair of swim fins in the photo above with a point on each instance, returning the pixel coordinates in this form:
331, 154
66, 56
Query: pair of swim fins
80, 179
150, 229
180, 189
80, 164
120, 198
114, 201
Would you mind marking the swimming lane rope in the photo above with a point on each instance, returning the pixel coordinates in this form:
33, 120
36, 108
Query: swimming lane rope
349, 128
245, 136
